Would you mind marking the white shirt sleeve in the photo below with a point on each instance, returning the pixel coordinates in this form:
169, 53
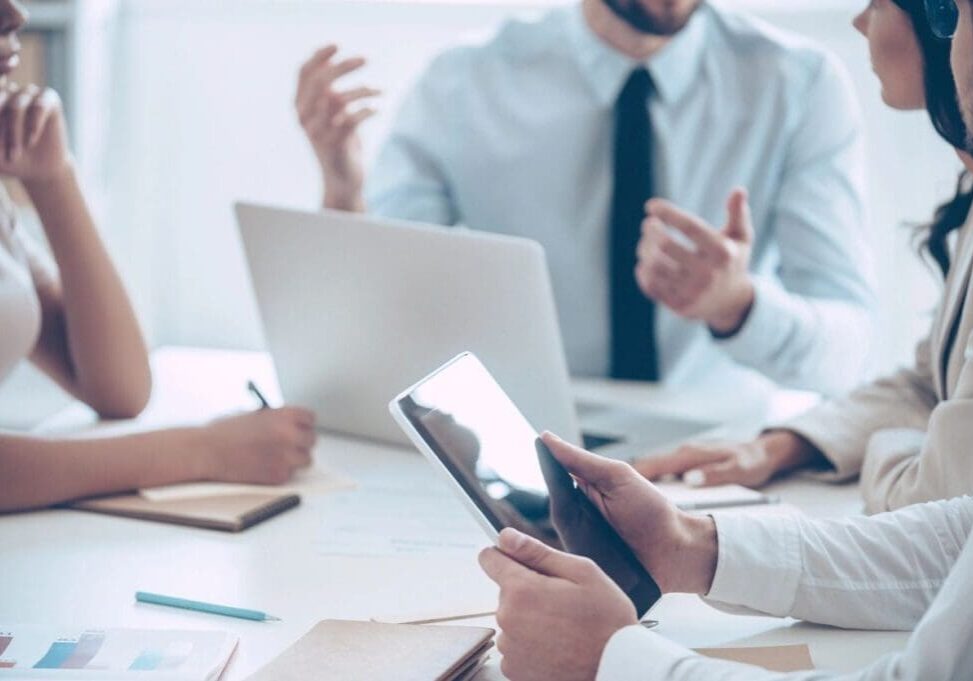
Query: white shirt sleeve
810, 325
885, 572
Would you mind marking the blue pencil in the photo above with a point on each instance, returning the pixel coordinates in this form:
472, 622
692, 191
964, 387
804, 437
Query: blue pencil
212, 608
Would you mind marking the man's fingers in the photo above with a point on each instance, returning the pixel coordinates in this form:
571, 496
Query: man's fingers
319, 80
321, 56
739, 224
358, 93
596, 470
661, 266
540, 557
677, 463
656, 240
708, 242
357, 118
343, 68
501, 568
674, 291
686, 258
311, 67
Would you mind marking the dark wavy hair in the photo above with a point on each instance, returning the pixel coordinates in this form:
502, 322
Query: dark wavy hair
944, 111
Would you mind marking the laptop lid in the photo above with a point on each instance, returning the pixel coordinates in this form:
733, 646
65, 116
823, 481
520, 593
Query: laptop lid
355, 307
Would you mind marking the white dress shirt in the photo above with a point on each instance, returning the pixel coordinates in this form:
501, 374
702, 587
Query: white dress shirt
514, 136
907, 570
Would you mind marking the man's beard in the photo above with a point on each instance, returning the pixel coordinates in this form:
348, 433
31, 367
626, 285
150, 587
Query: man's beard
633, 14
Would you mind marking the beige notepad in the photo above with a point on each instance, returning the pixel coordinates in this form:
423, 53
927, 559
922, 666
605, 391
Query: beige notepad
773, 658
342, 649
227, 512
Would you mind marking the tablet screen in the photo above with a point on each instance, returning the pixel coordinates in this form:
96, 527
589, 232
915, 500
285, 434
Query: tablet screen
494, 455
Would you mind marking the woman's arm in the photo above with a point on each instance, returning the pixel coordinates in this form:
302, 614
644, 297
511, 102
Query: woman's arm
831, 439
90, 340
263, 447
37, 472
903, 468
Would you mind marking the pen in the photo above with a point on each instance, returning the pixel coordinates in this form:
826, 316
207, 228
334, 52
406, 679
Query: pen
713, 505
252, 387
212, 608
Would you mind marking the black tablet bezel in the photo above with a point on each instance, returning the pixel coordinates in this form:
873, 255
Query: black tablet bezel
599, 541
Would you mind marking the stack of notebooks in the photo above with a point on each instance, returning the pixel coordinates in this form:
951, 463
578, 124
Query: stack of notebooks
341, 649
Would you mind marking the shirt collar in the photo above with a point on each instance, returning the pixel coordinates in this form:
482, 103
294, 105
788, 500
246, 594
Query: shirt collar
673, 69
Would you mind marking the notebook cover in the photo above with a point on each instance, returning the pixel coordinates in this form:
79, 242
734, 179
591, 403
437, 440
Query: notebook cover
229, 513
341, 649
792, 658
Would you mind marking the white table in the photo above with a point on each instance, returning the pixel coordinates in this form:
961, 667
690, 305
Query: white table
74, 568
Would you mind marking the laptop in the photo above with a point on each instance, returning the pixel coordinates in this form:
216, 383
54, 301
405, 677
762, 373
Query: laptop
355, 307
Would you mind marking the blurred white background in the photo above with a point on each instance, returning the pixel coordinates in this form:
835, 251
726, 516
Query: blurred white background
184, 106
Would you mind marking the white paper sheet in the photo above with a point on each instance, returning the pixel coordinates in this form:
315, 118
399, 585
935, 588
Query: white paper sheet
398, 519
33, 652
687, 497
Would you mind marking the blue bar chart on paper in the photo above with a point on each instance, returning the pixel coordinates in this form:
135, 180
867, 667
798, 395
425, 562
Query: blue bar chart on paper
46, 653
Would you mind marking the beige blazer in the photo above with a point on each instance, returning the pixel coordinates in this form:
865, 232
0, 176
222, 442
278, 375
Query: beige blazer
910, 435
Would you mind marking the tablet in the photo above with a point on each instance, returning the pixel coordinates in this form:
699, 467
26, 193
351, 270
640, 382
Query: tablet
461, 419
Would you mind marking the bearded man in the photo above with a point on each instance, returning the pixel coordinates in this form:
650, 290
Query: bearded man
694, 175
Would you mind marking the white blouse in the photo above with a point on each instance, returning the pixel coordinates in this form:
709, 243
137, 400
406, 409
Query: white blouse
20, 309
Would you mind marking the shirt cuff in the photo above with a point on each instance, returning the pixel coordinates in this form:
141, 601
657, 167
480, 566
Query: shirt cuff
637, 654
771, 318
829, 435
758, 564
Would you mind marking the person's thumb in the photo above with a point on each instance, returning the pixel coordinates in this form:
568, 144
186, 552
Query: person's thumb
601, 473
540, 557
739, 223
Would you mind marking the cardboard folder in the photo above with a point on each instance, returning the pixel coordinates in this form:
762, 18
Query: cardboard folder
229, 512
347, 650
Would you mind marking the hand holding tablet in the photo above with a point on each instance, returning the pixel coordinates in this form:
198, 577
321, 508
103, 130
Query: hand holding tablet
461, 419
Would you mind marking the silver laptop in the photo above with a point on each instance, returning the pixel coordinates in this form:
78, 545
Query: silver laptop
355, 308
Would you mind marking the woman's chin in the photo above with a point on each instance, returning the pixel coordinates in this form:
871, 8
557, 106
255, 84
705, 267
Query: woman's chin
902, 103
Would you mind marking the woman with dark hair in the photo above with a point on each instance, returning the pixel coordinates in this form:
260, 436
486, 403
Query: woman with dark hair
908, 435
940, 102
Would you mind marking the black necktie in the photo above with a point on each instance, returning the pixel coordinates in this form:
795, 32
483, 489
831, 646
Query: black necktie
633, 351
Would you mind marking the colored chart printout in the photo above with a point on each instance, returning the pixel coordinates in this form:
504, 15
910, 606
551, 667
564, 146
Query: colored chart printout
46, 653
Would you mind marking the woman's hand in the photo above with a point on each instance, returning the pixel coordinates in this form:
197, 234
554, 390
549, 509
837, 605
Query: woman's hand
262, 447
33, 135
556, 611
750, 463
